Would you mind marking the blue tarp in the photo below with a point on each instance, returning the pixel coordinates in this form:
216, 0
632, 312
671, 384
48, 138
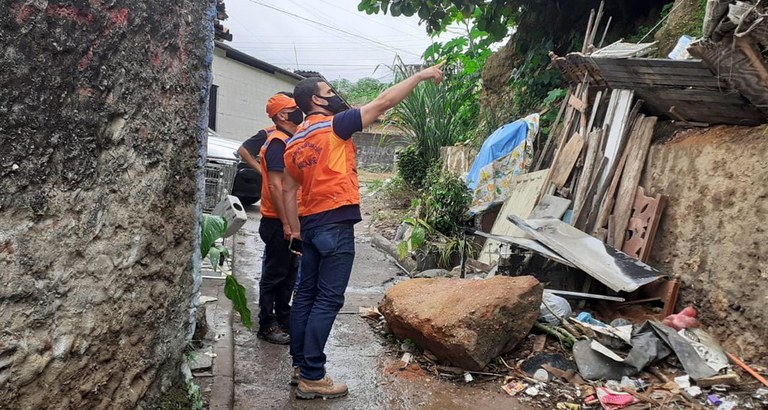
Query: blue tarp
505, 139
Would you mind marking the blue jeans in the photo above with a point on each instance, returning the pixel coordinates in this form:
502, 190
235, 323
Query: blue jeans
326, 265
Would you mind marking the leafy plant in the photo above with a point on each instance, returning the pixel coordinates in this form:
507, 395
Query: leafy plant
410, 166
236, 293
453, 249
420, 230
212, 228
445, 202
360, 92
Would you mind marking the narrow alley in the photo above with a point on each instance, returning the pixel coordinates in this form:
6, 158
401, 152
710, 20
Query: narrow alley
357, 355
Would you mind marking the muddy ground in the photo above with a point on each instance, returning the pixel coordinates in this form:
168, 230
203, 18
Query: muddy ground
358, 355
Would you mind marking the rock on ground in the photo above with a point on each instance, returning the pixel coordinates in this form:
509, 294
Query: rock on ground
464, 322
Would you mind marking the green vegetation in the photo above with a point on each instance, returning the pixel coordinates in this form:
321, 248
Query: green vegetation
212, 228
439, 214
360, 92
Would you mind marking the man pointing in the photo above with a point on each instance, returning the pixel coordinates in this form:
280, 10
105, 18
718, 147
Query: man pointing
320, 159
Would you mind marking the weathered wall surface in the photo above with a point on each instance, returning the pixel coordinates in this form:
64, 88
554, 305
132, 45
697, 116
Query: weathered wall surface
713, 231
242, 96
100, 106
377, 152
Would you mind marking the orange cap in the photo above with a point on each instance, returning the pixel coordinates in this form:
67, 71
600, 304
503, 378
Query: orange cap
279, 102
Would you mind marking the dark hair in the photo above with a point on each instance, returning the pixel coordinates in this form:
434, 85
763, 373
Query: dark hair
304, 91
286, 93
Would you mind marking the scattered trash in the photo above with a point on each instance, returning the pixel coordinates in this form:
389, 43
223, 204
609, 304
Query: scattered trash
630, 383
532, 391
586, 317
680, 51
541, 375
554, 309
207, 299
539, 343
748, 369
514, 387
613, 400
694, 391
468, 378
405, 360
556, 360
568, 406
369, 312
683, 320
683, 382
714, 400
728, 404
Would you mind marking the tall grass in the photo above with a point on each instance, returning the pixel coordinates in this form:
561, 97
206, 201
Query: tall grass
430, 114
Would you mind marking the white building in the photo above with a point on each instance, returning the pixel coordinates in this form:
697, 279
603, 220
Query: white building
241, 86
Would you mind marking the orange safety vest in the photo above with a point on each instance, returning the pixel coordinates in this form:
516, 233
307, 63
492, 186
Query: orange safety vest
324, 164
268, 209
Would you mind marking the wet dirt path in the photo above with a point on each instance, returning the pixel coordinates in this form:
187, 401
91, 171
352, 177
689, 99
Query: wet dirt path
357, 355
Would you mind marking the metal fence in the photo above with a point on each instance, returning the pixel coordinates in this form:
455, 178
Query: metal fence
219, 177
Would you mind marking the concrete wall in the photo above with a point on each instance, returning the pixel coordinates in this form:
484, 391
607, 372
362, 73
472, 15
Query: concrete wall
376, 152
101, 122
713, 232
242, 96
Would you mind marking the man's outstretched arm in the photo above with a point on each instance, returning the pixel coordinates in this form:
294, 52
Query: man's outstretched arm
397, 93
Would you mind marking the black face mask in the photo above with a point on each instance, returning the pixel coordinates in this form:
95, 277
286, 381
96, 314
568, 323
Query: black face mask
335, 104
296, 116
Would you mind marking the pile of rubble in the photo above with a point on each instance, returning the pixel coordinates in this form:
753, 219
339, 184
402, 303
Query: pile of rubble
575, 217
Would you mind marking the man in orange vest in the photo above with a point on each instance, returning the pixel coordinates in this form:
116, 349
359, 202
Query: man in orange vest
279, 265
320, 159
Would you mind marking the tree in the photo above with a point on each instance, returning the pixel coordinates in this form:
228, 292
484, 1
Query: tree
360, 92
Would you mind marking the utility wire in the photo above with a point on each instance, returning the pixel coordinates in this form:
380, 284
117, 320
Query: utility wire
354, 35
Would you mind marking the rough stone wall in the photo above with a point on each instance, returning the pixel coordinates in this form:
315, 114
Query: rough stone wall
713, 233
100, 112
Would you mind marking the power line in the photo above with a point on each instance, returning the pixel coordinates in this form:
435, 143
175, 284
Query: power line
354, 35
364, 16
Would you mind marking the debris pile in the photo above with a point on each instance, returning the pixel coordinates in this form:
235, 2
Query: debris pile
576, 217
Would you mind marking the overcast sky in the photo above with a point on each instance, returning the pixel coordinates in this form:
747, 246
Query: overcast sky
329, 36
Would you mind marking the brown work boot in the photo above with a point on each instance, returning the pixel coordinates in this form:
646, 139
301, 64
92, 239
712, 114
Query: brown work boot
324, 388
274, 335
295, 377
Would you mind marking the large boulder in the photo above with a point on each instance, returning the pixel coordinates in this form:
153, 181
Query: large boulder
464, 322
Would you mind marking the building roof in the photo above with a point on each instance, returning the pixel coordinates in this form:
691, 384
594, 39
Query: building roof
254, 62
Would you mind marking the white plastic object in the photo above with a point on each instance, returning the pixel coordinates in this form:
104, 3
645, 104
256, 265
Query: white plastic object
232, 210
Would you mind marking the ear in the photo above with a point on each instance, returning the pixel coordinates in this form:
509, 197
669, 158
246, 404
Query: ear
320, 102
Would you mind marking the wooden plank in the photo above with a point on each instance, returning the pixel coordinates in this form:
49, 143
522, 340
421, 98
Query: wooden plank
616, 80
593, 145
618, 128
737, 66
581, 217
697, 95
577, 104
566, 159
524, 191
611, 267
543, 153
607, 68
550, 206
741, 114
595, 109
605, 200
652, 62
642, 226
630, 178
